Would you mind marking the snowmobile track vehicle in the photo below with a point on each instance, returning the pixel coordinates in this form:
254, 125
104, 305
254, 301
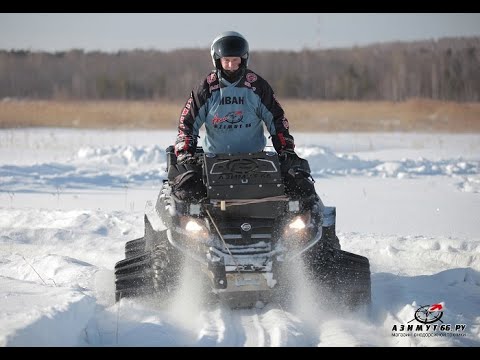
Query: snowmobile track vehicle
243, 233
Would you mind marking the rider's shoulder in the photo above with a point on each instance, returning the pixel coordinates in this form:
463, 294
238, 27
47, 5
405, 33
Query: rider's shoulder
211, 79
253, 77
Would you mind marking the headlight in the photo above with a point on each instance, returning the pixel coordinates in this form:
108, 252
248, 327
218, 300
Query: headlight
193, 226
297, 231
194, 229
297, 224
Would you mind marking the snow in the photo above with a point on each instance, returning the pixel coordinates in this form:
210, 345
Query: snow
71, 199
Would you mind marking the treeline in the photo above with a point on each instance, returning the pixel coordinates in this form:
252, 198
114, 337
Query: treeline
445, 69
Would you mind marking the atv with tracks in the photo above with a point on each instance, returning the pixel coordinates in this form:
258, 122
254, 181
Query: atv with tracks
244, 234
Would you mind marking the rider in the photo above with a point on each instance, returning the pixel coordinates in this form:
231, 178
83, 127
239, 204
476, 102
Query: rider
234, 103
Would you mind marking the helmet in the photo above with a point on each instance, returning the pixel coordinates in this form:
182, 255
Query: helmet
229, 43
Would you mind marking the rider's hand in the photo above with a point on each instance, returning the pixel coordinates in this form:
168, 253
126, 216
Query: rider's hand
186, 158
291, 163
288, 155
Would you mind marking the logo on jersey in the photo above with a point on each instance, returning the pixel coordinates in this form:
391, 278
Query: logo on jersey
233, 117
211, 78
251, 77
184, 113
227, 100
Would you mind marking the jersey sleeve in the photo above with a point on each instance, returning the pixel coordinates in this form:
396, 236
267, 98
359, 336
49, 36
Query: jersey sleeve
279, 127
193, 116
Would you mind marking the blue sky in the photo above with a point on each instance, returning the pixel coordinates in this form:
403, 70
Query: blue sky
265, 31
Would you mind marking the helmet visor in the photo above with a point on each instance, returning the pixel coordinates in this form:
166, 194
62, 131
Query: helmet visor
230, 46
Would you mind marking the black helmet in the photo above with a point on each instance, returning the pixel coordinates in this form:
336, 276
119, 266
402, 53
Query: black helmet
229, 43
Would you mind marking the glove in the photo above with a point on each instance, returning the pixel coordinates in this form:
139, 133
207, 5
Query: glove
186, 158
296, 174
287, 155
291, 163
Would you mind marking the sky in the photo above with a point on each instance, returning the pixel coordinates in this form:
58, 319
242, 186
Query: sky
265, 31
71, 199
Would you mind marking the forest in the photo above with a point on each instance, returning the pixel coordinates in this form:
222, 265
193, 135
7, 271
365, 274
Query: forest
446, 69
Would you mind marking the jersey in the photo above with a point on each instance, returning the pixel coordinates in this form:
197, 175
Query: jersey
234, 115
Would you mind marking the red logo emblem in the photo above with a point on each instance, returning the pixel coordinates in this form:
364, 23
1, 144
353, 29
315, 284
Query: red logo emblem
436, 307
251, 77
211, 78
